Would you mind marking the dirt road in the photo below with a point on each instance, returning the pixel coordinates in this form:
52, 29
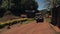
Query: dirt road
31, 28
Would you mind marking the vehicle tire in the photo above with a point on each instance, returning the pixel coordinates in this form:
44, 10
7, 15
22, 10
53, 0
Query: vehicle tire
37, 21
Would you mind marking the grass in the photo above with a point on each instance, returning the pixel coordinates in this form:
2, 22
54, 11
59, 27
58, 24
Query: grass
48, 19
25, 22
21, 20
12, 22
57, 32
28, 20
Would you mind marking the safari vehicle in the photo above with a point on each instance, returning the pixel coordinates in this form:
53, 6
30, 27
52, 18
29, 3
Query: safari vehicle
39, 18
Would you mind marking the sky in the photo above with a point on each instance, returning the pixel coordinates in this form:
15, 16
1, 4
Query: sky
40, 4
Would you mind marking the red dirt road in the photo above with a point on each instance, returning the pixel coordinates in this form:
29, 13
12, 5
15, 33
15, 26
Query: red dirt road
31, 28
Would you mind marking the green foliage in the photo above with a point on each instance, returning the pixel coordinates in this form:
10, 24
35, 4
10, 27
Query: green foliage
51, 3
32, 5
57, 2
11, 22
4, 4
19, 6
19, 3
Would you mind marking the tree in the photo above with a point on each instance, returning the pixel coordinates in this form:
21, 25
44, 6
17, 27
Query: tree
18, 6
30, 5
2, 7
52, 3
21, 5
56, 13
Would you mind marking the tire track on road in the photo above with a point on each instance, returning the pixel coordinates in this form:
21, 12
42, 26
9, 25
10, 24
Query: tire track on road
27, 28
30, 30
44, 29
